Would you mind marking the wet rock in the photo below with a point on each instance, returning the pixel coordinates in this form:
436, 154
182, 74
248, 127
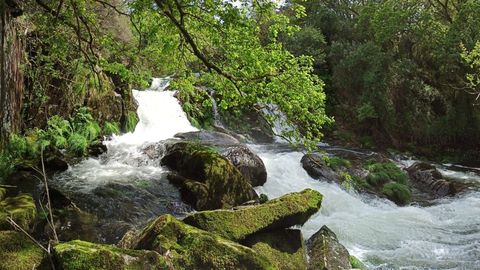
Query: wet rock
248, 163
285, 248
284, 212
209, 138
20, 209
55, 164
428, 179
206, 179
190, 248
250, 123
97, 149
326, 253
357, 264
80, 255
317, 168
17, 252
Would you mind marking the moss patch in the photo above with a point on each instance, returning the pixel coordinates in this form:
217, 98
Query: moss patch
80, 255
357, 264
192, 248
381, 173
291, 209
21, 209
285, 248
3, 192
17, 252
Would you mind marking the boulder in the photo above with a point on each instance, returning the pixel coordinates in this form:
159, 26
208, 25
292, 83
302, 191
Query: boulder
285, 248
81, 255
326, 253
248, 163
428, 179
17, 252
289, 210
190, 248
97, 149
206, 179
21, 209
317, 168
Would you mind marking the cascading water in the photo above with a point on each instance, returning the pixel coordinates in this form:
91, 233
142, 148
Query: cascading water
127, 185
385, 236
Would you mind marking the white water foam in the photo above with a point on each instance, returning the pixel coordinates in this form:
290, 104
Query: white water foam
385, 236
160, 118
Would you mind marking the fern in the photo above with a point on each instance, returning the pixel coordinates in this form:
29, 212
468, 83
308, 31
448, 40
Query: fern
77, 144
111, 128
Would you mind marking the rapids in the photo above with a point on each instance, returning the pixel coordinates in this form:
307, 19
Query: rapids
445, 235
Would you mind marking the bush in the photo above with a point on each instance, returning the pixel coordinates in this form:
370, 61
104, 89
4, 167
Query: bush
77, 144
111, 128
381, 173
398, 193
336, 162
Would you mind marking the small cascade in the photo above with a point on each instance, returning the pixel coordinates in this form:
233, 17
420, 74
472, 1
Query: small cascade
125, 186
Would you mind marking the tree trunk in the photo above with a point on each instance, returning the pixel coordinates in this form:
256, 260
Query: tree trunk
12, 47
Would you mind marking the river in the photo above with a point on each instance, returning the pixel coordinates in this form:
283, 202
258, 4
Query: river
445, 235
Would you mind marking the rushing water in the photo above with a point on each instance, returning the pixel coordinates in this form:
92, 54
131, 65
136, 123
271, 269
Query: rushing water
385, 236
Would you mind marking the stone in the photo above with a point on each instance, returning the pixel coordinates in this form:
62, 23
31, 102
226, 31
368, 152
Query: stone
326, 253
18, 252
21, 209
206, 179
248, 163
81, 255
317, 168
191, 248
284, 212
428, 179
285, 248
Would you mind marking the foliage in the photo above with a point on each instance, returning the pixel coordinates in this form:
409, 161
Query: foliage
399, 193
381, 173
336, 162
394, 68
131, 122
111, 128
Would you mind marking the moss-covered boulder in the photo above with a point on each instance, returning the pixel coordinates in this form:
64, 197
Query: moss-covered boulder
326, 253
206, 179
397, 193
285, 248
80, 255
289, 210
17, 252
317, 168
191, 248
21, 209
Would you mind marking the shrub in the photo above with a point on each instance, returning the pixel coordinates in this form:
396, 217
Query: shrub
398, 193
77, 144
111, 128
336, 162
381, 173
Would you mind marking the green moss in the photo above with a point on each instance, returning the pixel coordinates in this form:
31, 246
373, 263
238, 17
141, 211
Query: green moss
192, 248
381, 173
356, 263
17, 252
285, 248
80, 255
110, 128
21, 209
289, 210
398, 193
336, 163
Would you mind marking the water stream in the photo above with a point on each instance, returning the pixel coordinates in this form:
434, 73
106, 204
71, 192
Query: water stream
385, 236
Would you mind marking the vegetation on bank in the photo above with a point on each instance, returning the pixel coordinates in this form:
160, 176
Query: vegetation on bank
398, 73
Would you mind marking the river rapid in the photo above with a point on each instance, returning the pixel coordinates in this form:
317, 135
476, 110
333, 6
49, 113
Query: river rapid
130, 187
